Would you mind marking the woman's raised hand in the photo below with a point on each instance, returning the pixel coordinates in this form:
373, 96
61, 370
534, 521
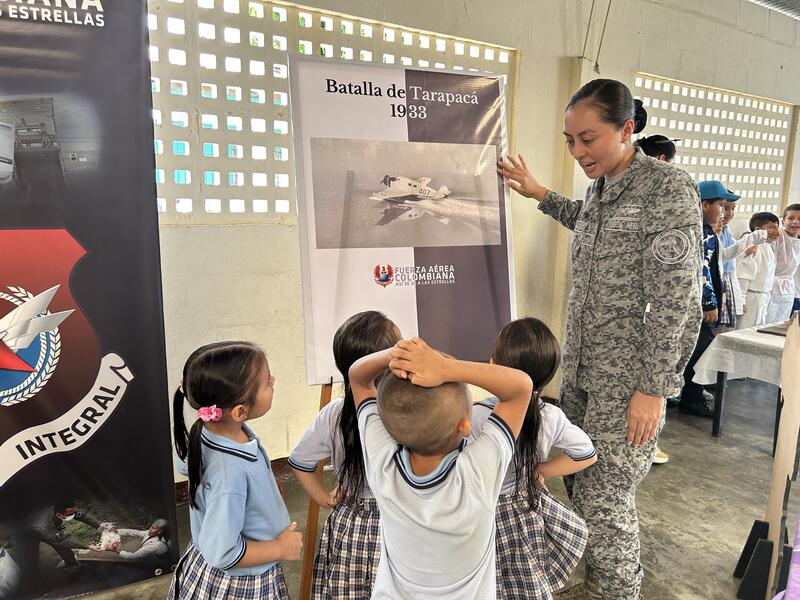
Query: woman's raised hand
519, 178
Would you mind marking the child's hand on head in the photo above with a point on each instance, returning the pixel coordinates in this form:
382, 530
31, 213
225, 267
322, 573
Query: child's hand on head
396, 371
421, 364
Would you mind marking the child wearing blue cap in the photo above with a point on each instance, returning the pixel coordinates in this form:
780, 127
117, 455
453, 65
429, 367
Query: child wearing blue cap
713, 196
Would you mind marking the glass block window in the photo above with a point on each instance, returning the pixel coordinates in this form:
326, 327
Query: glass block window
222, 103
741, 140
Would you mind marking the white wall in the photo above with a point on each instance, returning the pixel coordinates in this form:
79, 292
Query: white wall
244, 281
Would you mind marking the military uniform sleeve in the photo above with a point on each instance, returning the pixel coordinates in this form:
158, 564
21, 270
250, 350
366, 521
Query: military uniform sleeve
671, 244
561, 208
85, 517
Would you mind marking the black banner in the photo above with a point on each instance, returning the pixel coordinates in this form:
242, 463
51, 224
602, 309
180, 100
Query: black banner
86, 488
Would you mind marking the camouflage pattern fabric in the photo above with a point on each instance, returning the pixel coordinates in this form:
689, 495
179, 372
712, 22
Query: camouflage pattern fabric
605, 494
634, 316
634, 309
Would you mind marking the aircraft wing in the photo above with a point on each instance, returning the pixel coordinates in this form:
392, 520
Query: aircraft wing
387, 194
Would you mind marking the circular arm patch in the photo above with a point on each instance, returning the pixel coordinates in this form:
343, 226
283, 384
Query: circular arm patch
671, 247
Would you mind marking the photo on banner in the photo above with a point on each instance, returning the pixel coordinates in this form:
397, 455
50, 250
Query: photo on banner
86, 482
399, 204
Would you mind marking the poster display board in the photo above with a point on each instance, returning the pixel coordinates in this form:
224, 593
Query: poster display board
399, 204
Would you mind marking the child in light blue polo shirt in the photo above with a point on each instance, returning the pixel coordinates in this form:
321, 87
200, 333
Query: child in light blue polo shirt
240, 525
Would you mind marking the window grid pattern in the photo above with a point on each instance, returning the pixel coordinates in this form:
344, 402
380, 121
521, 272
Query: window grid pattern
221, 105
741, 140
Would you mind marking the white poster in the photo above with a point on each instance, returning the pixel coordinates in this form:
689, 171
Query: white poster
399, 204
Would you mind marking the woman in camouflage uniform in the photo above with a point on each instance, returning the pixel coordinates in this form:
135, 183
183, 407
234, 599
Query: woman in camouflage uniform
634, 313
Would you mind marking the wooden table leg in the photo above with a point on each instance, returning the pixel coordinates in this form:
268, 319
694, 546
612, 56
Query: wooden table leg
719, 403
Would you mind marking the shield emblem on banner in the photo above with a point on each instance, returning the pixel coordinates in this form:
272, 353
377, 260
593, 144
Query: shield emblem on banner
49, 354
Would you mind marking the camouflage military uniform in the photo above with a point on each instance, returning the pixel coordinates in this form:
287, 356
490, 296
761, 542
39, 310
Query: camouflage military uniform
634, 313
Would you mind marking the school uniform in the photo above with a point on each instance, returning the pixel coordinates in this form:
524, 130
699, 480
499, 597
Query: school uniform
692, 393
537, 550
349, 551
756, 274
787, 260
733, 305
237, 501
438, 530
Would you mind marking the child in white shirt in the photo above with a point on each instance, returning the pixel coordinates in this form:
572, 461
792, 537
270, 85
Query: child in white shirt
756, 273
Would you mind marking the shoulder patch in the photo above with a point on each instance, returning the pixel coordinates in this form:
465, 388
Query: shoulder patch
671, 247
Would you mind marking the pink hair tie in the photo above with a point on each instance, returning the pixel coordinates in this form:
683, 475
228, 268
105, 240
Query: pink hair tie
209, 413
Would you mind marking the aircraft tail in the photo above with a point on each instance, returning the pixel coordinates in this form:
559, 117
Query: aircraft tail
444, 190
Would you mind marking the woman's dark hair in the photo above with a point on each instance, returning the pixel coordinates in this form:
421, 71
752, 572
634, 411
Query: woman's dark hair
656, 145
528, 345
762, 218
224, 374
362, 334
613, 102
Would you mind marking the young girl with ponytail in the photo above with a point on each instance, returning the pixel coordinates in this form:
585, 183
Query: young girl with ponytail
539, 540
240, 526
347, 562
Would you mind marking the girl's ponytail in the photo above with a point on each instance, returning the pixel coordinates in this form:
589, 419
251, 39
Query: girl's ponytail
187, 444
195, 460
179, 433
529, 345
223, 374
362, 334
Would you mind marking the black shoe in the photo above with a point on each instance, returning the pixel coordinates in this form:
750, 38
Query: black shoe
673, 401
698, 409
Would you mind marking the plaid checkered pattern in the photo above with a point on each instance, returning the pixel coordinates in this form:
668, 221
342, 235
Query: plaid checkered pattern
197, 580
536, 551
347, 562
727, 309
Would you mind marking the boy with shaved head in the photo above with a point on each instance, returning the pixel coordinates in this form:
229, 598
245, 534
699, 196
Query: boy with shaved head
436, 495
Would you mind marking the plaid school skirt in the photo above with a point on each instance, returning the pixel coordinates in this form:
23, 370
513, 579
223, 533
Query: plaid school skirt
537, 551
347, 562
727, 308
196, 579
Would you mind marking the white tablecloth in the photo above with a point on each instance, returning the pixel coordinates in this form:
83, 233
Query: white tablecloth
743, 353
